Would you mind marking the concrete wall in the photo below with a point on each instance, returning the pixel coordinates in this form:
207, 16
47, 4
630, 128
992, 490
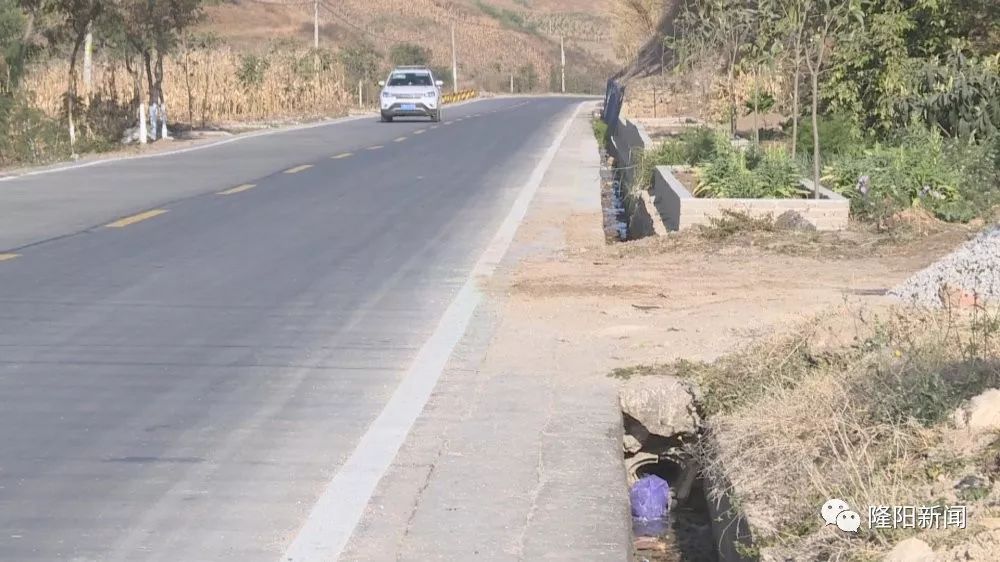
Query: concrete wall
628, 141
679, 209
643, 219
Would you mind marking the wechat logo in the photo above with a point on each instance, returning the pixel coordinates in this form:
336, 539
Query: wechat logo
837, 512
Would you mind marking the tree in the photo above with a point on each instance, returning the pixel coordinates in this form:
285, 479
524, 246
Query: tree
151, 29
825, 21
728, 27
12, 24
792, 25
78, 14
762, 52
360, 61
403, 54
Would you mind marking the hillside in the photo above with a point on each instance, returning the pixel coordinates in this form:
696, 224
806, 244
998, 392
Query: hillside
494, 37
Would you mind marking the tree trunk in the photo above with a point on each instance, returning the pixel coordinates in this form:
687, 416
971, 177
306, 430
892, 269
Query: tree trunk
188, 86
795, 104
161, 103
71, 87
756, 105
732, 100
815, 127
158, 78
148, 65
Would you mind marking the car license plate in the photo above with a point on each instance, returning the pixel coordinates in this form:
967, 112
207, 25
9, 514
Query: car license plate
409, 107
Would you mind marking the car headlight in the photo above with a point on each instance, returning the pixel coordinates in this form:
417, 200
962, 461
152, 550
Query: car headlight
385, 94
430, 94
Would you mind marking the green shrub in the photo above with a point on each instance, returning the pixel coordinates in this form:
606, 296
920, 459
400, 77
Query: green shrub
360, 61
251, 71
27, 135
600, 132
700, 144
753, 174
953, 180
402, 54
838, 134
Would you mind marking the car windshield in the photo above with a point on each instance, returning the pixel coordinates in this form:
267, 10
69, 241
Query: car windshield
410, 79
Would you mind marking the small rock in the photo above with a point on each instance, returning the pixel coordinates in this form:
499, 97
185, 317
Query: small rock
650, 543
631, 444
956, 297
972, 481
984, 411
663, 405
910, 550
792, 220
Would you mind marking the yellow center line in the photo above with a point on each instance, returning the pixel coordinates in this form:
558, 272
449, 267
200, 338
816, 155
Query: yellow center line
341, 155
5, 257
298, 169
420, 131
399, 139
135, 218
238, 189
375, 147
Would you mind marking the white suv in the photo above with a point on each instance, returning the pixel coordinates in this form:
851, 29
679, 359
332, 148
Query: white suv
411, 91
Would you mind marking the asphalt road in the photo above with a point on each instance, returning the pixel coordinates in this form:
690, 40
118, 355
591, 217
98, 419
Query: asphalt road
184, 385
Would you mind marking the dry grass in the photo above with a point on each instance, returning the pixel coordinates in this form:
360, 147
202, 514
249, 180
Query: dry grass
859, 241
817, 415
203, 87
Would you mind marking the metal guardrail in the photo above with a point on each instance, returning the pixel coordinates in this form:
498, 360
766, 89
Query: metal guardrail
459, 96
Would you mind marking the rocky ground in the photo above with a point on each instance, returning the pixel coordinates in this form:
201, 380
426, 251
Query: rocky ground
971, 274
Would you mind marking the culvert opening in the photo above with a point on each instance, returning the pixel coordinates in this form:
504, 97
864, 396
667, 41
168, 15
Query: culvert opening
685, 533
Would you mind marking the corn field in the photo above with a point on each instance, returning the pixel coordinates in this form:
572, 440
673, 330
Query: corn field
212, 86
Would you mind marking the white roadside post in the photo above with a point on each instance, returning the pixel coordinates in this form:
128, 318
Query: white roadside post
164, 133
454, 63
562, 63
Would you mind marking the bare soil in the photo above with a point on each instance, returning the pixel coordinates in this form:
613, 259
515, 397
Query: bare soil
691, 296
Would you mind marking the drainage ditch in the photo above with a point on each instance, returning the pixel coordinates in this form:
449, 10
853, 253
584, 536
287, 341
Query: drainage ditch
612, 202
662, 427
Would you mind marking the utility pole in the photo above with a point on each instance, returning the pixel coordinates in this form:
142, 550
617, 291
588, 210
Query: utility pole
562, 62
88, 60
316, 39
316, 24
512, 83
454, 62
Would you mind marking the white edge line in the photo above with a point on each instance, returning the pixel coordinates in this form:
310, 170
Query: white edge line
235, 138
338, 510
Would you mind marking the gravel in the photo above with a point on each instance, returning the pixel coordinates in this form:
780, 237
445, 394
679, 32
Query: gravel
974, 268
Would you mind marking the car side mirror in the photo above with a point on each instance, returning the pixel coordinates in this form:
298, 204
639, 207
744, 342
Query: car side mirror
381, 83
439, 83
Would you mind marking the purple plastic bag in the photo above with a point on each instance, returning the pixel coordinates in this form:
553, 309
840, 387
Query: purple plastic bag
650, 498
